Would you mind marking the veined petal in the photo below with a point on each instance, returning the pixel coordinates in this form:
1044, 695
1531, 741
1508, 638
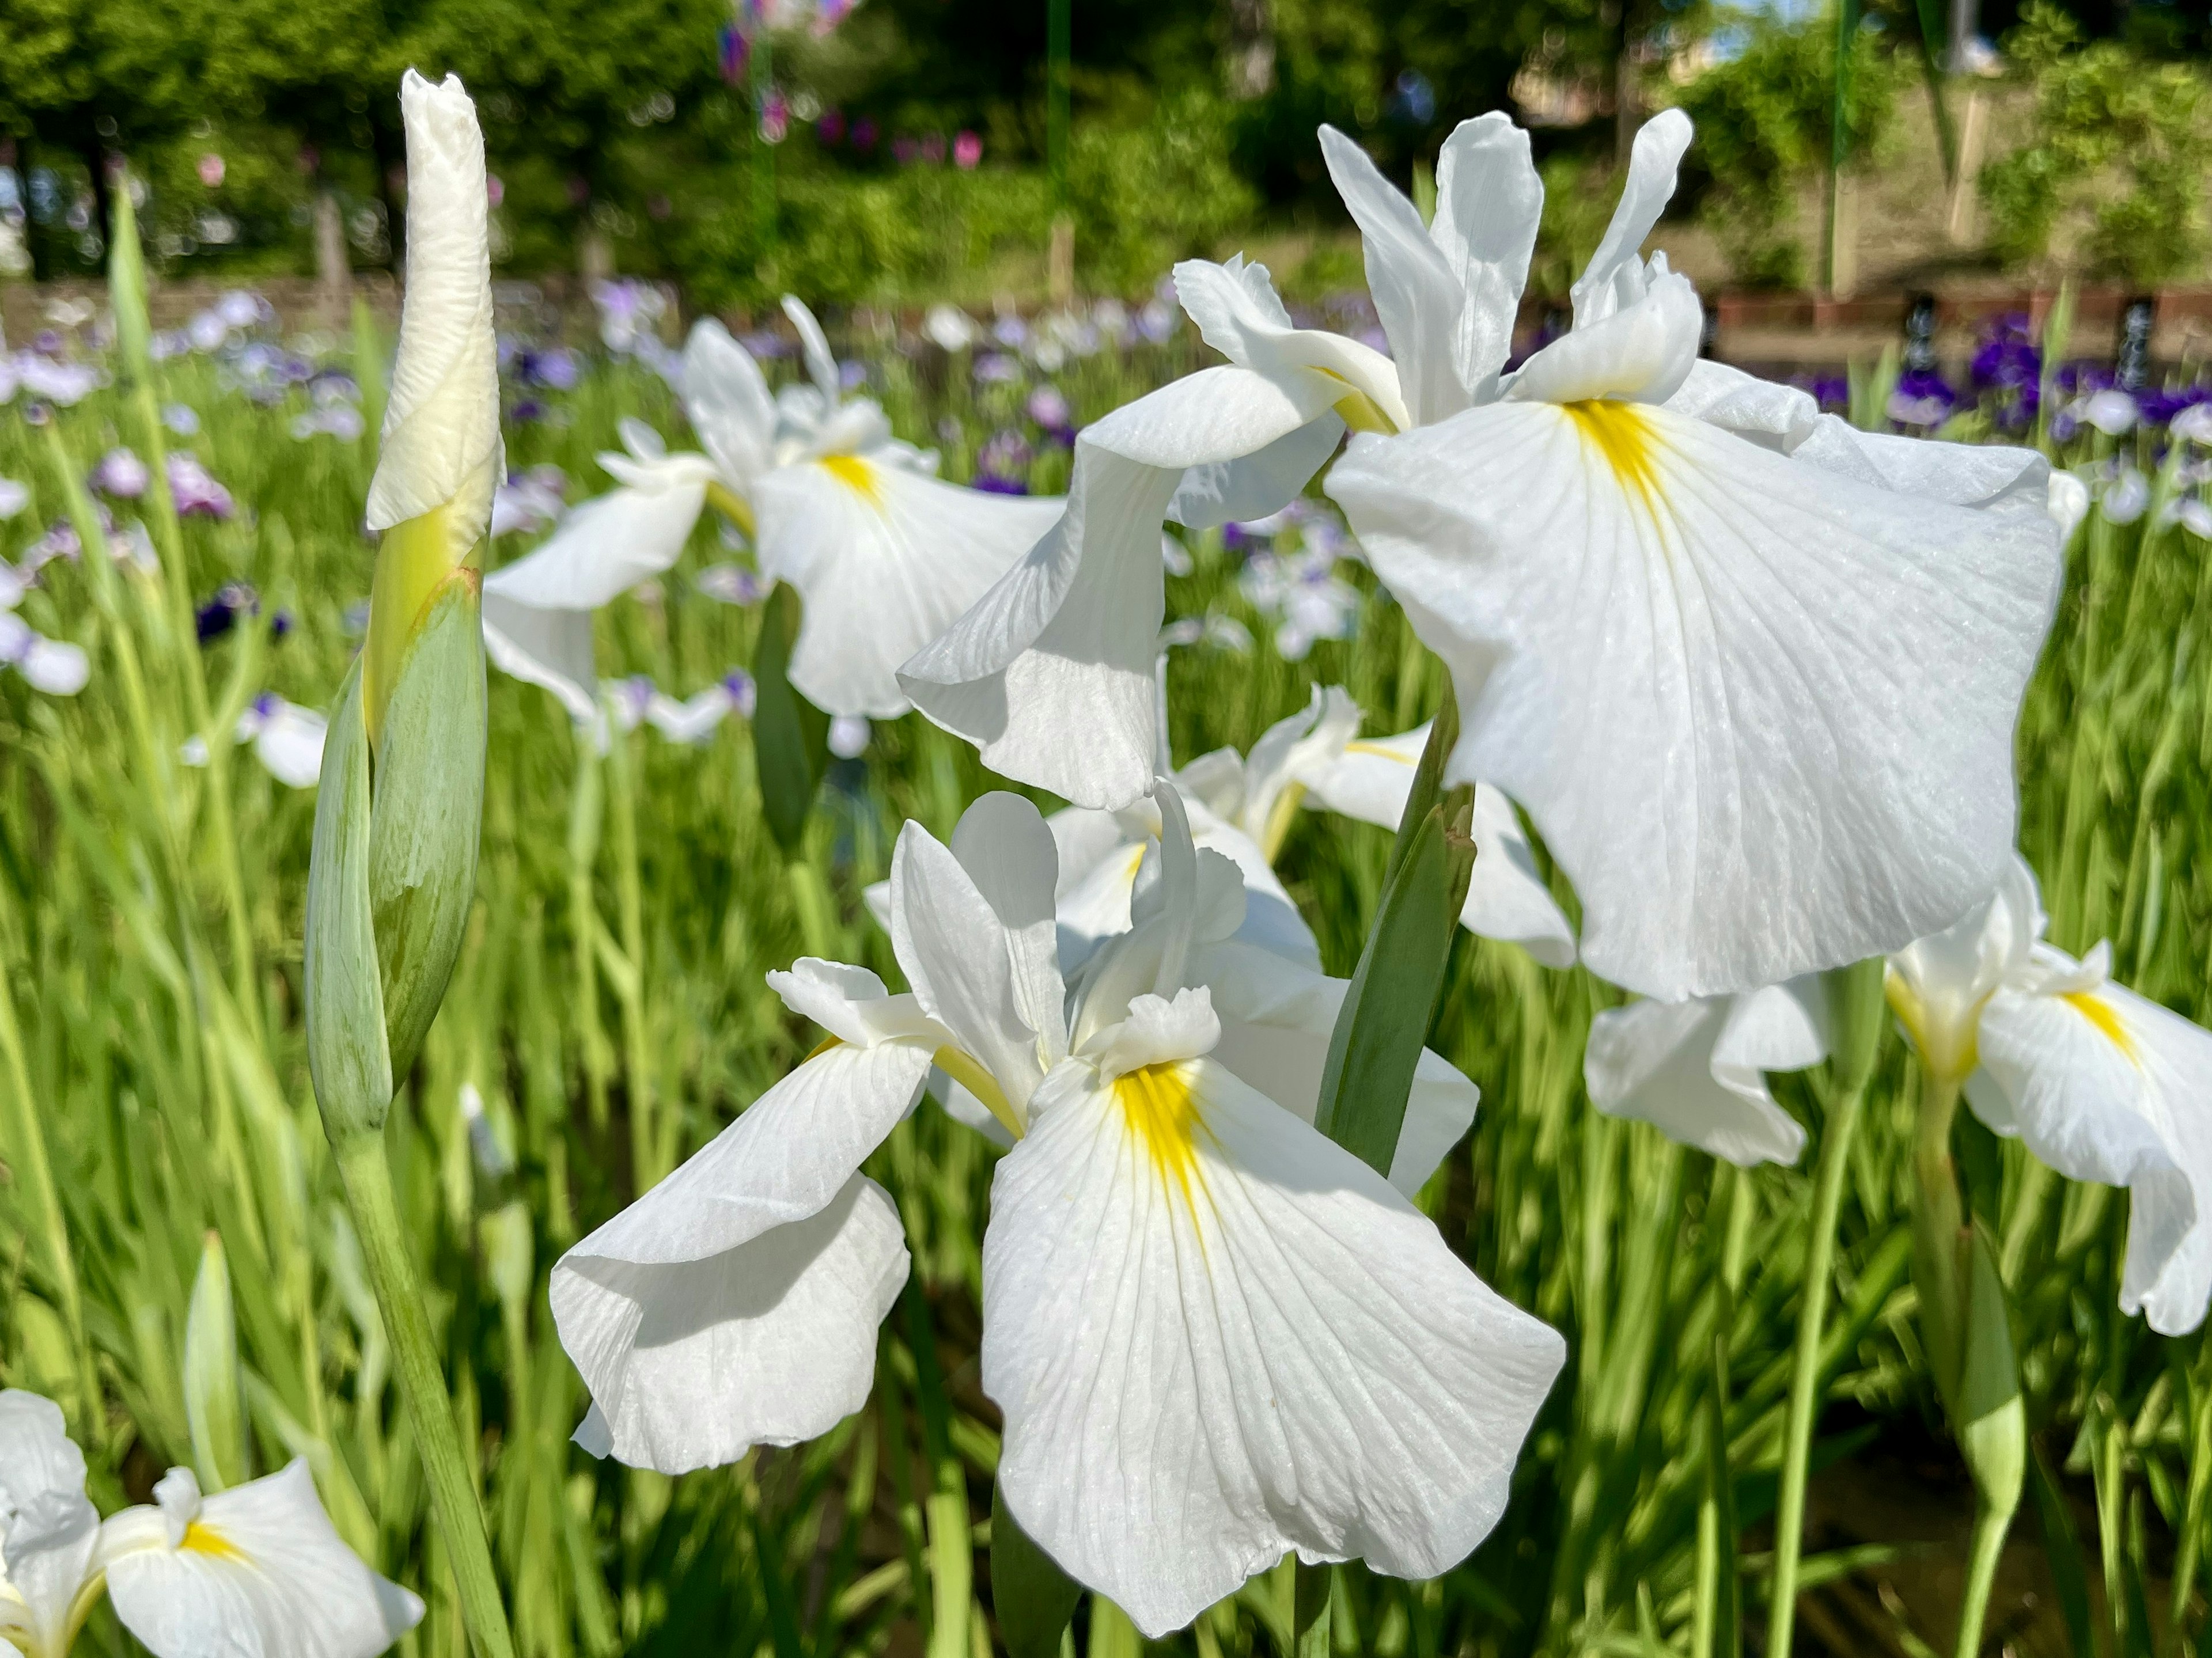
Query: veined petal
973, 927
1236, 309
1762, 715
1765, 411
548, 649
2104, 1085
1614, 277
256, 1571
736, 1303
1489, 201
852, 1005
37, 1455
1937, 986
1642, 352
1417, 294
1309, 741
1506, 897
605, 547
1696, 1070
1217, 1337
1254, 485
1050, 673
1277, 1017
886, 559
728, 402
50, 1544
441, 442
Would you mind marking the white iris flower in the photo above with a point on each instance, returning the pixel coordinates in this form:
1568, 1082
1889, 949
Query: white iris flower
1752, 674
884, 553
256, 1571
2097, 1082
1216, 1336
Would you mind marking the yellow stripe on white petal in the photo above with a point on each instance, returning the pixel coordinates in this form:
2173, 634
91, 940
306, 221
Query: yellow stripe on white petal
886, 558
1050, 672
2103, 1085
736, 1303
1215, 1337
256, 1571
48, 1529
1761, 712
1697, 1071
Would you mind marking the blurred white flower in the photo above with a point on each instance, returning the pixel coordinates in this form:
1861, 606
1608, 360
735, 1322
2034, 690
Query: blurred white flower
2127, 498
120, 473
2112, 411
527, 502
949, 329
848, 736
2067, 504
14, 497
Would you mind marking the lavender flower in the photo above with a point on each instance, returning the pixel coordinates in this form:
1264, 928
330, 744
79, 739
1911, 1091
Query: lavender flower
194, 488
120, 474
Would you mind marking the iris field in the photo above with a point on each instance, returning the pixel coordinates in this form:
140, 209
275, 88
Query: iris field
609, 1016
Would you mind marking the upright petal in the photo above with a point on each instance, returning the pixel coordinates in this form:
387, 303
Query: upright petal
1239, 315
736, 1303
1613, 275
256, 1571
1050, 673
1762, 713
2104, 1085
37, 1455
1417, 294
1489, 201
49, 1544
1215, 1337
440, 439
973, 927
728, 402
886, 559
814, 346
1696, 1070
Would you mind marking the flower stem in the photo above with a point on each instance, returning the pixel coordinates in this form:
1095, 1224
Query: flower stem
1310, 1604
1805, 1368
367, 1176
1991, 1526
1717, 1628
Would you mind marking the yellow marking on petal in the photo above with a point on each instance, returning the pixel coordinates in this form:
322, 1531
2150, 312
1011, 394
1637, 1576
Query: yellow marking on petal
968, 1071
1621, 434
414, 562
1380, 752
855, 475
824, 1047
1160, 1103
726, 502
203, 1538
2099, 1012
1280, 816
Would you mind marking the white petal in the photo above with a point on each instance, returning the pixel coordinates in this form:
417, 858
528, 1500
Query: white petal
1939, 984
1645, 352
37, 1455
50, 1541
1309, 741
54, 666
1236, 309
440, 440
1215, 1337
736, 1303
2067, 499
885, 559
1695, 1069
2104, 1085
973, 927
852, 1005
1762, 715
1276, 1019
1764, 411
1417, 294
1254, 485
607, 545
1606, 283
261, 1573
1050, 673
814, 345
1489, 201
728, 402
290, 744
550, 648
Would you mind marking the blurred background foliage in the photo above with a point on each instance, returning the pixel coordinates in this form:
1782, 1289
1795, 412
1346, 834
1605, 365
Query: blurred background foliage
908, 137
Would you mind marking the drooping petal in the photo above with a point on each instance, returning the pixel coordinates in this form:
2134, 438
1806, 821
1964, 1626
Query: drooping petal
1239, 314
736, 1303
1215, 1337
1642, 353
728, 402
256, 1571
1506, 897
1277, 1017
37, 1455
1614, 277
2104, 1085
1050, 673
609, 544
49, 1545
548, 649
1696, 1070
1254, 485
885, 559
1417, 294
1489, 201
1762, 713
1309, 741
973, 927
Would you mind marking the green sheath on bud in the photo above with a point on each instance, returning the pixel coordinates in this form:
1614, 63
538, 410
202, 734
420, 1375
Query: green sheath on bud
395, 854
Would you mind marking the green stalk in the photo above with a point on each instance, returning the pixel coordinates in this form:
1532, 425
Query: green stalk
2190, 1540
1716, 1625
1310, 1610
367, 1176
648, 1158
1805, 1369
583, 921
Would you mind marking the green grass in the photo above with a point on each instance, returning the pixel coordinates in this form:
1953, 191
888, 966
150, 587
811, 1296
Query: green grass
610, 1010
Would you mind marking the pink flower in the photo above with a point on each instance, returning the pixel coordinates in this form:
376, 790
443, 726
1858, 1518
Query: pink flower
967, 150
211, 170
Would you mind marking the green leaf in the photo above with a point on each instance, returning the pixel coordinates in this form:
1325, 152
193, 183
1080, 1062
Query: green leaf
791, 736
126, 286
349, 1055
1428, 779
1992, 1423
1033, 1597
2062, 1553
428, 815
1384, 1020
215, 1395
